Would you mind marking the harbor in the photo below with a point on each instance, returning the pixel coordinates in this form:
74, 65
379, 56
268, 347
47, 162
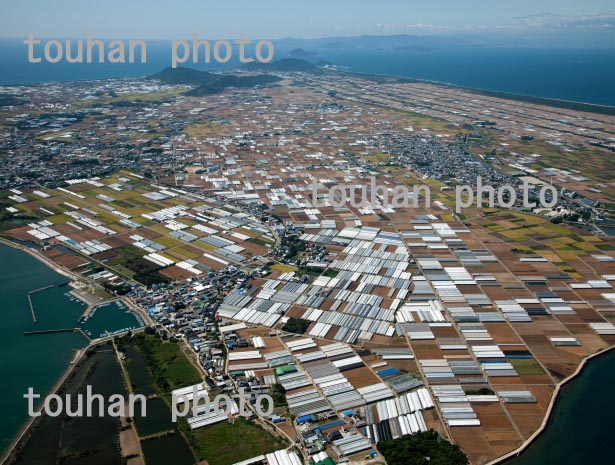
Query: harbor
40, 289
42, 325
109, 319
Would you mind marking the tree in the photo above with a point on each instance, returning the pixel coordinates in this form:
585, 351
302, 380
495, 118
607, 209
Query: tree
296, 325
423, 448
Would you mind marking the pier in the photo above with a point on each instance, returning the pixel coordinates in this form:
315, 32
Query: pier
49, 331
60, 330
31, 308
40, 289
88, 311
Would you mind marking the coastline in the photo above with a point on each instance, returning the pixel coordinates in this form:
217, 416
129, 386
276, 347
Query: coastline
533, 99
510, 455
31, 421
573, 105
18, 441
47, 262
74, 364
147, 319
21, 435
548, 414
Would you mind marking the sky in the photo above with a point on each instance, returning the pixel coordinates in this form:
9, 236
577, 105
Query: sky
274, 19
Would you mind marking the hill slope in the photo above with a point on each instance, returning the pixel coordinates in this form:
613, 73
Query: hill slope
209, 83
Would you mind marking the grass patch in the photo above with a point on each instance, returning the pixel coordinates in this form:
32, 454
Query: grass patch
282, 268
122, 269
226, 443
204, 246
167, 363
59, 218
168, 241
144, 271
522, 250
527, 367
186, 252
203, 129
16, 222
258, 241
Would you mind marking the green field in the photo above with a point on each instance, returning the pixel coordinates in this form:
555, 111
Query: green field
282, 268
168, 364
258, 241
223, 443
527, 367
226, 443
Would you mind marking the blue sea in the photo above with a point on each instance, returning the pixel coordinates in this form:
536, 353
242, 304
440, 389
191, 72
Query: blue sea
582, 75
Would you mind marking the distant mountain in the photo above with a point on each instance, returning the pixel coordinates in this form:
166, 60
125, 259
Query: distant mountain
538, 31
209, 83
181, 75
299, 53
367, 42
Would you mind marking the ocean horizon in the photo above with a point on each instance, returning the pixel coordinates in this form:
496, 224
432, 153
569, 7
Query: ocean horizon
577, 75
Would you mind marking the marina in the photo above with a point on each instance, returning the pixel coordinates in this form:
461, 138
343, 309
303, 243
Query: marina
109, 319
30, 299
21, 354
49, 313
359, 265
